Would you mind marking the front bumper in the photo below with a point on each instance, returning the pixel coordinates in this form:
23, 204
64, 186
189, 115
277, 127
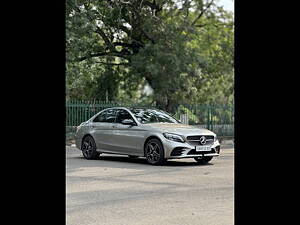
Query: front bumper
188, 151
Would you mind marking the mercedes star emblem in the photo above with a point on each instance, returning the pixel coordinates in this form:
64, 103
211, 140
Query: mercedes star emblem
202, 140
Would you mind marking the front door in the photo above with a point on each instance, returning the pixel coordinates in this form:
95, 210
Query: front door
128, 139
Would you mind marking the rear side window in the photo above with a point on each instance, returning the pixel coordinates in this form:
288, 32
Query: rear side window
123, 115
108, 116
101, 117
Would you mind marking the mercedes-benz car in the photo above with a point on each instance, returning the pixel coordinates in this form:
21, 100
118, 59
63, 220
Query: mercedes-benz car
144, 132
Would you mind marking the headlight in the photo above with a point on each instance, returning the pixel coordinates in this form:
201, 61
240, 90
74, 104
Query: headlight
216, 138
173, 137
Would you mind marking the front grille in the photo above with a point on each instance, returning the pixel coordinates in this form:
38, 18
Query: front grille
194, 152
195, 140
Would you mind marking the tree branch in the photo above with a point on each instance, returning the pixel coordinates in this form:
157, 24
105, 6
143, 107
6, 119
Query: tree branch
153, 5
105, 38
123, 44
201, 25
99, 54
147, 36
202, 12
114, 64
125, 29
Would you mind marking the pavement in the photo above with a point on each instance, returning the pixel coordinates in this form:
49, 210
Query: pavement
117, 190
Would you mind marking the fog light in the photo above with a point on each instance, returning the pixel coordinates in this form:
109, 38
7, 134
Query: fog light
177, 151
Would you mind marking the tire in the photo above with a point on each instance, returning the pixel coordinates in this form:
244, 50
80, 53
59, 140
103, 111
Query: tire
88, 148
203, 160
154, 152
133, 156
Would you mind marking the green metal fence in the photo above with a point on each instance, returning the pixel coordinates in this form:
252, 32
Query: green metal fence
218, 118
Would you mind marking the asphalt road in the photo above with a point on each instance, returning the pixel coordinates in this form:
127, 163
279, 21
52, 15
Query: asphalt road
116, 190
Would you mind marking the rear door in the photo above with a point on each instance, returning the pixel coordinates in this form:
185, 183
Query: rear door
129, 139
102, 129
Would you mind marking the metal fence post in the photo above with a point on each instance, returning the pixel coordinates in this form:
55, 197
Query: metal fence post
207, 122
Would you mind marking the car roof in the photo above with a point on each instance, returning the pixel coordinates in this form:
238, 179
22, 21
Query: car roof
150, 108
130, 108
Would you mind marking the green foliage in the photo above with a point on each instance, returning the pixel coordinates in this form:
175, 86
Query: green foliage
182, 49
193, 119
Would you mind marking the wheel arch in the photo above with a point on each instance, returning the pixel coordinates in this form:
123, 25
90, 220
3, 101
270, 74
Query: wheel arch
149, 138
84, 136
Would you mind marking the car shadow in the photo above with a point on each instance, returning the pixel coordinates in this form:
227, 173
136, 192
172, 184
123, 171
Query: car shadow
143, 161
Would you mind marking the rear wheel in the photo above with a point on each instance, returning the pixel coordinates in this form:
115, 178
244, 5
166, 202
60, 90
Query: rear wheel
154, 152
203, 160
88, 148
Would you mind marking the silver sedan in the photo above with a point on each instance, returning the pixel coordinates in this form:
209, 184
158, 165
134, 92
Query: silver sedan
144, 132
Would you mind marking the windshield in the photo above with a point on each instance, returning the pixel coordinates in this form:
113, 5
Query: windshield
152, 116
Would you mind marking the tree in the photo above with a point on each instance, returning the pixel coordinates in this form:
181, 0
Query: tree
178, 48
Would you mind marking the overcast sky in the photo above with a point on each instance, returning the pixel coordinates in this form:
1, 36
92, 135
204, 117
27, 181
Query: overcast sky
228, 4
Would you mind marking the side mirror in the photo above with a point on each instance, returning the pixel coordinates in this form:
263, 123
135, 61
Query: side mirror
128, 122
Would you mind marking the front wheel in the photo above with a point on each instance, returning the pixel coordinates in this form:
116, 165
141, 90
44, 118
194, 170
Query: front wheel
89, 148
154, 152
203, 160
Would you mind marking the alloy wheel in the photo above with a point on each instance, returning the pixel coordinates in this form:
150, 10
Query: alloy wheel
88, 147
153, 152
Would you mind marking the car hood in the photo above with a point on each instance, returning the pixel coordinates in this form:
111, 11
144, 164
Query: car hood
181, 129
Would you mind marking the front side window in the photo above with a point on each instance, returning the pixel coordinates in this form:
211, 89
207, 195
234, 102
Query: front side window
152, 116
108, 116
123, 115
